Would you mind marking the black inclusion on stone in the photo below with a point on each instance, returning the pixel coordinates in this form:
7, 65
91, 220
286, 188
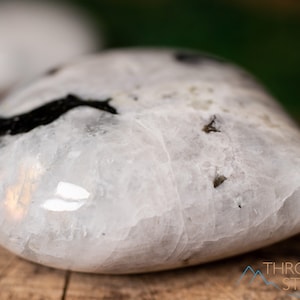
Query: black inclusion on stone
53, 71
211, 126
48, 113
194, 58
219, 179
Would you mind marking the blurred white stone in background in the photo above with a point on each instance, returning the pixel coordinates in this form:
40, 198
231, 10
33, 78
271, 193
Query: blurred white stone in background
36, 36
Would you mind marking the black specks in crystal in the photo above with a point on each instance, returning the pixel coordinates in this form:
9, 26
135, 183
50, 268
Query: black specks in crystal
219, 179
53, 71
194, 58
211, 126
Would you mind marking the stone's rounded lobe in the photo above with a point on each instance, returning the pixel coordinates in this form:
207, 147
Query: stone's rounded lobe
36, 36
199, 164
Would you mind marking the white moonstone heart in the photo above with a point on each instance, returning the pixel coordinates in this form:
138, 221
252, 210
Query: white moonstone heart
143, 160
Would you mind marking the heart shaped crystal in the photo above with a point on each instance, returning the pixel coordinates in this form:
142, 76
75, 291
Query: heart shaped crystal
142, 160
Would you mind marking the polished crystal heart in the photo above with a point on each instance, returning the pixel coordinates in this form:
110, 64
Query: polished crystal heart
142, 160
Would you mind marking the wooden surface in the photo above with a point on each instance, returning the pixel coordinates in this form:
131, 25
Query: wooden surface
23, 280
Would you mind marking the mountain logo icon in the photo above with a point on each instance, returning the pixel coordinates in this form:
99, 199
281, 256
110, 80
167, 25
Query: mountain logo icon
257, 273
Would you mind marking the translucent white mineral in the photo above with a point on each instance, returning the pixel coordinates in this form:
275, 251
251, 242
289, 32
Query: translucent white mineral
143, 160
36, 36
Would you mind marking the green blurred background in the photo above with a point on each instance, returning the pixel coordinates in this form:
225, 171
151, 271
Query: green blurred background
263, 36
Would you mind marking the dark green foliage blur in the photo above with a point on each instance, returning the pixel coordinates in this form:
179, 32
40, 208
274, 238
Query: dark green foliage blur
266, 42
